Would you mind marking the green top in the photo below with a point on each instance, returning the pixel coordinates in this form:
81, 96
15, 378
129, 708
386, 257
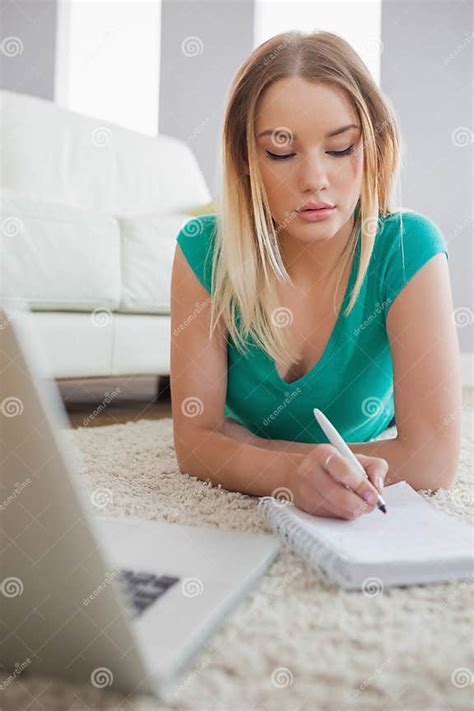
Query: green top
352, 382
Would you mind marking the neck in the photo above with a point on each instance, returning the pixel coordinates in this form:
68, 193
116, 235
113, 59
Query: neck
307, 262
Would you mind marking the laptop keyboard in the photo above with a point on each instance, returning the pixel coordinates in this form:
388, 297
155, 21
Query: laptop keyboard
142, 589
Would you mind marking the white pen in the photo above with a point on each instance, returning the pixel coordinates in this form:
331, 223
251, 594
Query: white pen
336, 440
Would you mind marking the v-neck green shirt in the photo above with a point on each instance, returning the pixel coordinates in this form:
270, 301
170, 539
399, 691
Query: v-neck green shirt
352, 382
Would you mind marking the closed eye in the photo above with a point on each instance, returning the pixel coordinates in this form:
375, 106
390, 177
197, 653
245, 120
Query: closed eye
336, 154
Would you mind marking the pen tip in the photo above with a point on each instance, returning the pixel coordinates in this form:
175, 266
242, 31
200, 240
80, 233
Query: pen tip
382, 508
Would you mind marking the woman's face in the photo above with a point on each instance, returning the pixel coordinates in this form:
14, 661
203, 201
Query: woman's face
299, 116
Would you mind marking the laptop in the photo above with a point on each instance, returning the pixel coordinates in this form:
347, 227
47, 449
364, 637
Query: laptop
120, 603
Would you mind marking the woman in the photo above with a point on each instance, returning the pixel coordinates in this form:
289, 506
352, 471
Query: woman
300, 297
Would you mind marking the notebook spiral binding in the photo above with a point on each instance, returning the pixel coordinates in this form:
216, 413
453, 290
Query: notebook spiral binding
322, 558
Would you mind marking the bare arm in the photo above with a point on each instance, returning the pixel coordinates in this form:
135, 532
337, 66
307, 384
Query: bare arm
418, 464
198, 392
236, 465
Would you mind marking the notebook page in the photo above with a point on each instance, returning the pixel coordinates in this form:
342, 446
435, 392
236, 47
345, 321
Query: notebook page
413, 529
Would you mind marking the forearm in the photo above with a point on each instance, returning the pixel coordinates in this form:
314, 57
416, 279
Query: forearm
236, 465
419, 465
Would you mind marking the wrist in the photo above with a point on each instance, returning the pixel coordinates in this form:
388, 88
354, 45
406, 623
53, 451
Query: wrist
292, 461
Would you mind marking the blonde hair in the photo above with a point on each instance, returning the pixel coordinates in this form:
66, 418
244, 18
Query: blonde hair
247, 259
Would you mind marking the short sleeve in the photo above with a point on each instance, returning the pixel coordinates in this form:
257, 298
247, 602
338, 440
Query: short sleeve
409, 240
196, 239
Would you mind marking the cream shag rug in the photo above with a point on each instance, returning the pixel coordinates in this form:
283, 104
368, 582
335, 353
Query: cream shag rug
294, 643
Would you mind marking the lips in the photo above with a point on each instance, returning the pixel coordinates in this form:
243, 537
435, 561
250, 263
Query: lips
312, 215
315, 206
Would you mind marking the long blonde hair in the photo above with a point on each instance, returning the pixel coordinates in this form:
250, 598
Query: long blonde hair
247, 260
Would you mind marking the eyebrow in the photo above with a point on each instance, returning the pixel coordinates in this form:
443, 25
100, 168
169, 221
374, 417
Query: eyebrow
336, 132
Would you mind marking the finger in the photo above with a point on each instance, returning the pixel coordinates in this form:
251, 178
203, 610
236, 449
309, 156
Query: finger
376, 469
344, 472
340, 499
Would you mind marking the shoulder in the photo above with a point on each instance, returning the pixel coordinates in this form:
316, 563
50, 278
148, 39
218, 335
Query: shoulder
198, 227
405, 242
197, 235
409, 232
196, 239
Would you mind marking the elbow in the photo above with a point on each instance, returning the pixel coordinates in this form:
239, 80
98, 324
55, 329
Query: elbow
191, 447
181, 468
185, 463
451, 459
444, 473
433, 468
183, 452
447, 477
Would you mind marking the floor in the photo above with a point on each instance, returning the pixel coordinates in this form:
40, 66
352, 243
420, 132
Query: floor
95, 402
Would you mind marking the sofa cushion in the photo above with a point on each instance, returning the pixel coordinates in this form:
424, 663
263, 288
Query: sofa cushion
58, 257
148, 247
54, 154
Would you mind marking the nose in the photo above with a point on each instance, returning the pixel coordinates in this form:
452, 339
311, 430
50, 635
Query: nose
312, 175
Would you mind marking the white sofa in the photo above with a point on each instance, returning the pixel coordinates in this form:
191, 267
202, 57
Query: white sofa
90, 212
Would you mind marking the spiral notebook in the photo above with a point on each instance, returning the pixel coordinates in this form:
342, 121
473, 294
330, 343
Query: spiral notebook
414, 543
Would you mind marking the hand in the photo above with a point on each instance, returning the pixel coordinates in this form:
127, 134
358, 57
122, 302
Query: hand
326, 484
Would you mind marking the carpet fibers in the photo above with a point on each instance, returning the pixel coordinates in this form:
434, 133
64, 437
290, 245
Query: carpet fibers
294, 643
